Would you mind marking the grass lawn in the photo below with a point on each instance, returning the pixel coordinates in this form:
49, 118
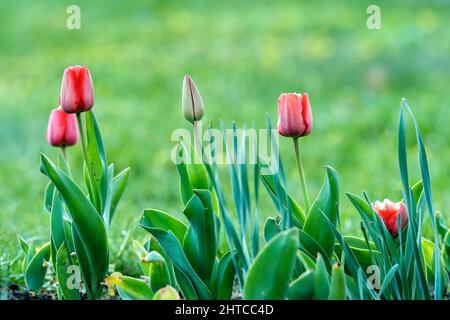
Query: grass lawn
242, 55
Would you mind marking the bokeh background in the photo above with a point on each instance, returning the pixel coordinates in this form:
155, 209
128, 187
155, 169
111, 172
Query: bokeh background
242, 54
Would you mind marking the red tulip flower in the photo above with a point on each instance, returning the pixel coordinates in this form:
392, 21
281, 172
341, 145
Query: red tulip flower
77, 90
62, 129
295, 121
389, 211
294, 115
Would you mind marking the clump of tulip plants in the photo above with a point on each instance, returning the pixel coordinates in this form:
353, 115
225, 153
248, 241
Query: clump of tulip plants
215, 248
392, 259
80, 219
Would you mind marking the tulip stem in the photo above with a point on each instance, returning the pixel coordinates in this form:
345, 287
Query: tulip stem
82, 136
64, 153
197, 143
301, 174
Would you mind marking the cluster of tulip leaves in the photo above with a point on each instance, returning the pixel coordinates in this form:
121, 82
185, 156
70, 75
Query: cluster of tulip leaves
183, 252
80, 221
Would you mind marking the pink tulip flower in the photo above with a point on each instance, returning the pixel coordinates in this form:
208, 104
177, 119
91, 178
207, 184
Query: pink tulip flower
62, 128
77, 90
294, 115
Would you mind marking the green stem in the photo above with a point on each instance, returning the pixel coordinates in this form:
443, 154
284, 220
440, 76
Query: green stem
301, 174
67, 165
82, 137
64, 153
197, 143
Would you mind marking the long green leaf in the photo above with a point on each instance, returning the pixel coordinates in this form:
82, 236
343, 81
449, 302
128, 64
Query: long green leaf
152, 218
200, 242
302, 288
327, 202
279, 255
225, 277
68, 288
173, 249
129, 288
338, 284
36, 268
118, 187
296, 210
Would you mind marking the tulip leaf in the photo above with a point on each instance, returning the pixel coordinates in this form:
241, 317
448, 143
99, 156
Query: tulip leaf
200, 242
327, 203
172, 247
183, 174
57, 225
106, 201
118, 187
338, 283
417, 190
185, 285
441, 225
361, 205
36, 268
86, 221
82, 259
308, 244
153, 218
48, 198
63, 275
158, 270
153, 245
95, 161
23, 244
302, 288
322, 281
141, 252
446, 250
306, 260
387, 279
129, 288
278, 255
296, 210
225, 276
271, 229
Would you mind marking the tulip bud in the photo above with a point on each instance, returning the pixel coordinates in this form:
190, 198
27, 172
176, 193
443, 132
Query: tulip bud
77, 90
62, 128
192, 103
389, 211
294, 115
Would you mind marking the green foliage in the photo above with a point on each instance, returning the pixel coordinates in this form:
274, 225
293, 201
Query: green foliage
327, 203
36, 266
278, 255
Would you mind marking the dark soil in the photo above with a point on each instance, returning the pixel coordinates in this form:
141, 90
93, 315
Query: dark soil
16, 294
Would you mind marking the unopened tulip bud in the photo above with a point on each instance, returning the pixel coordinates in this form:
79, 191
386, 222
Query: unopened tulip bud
77, 90
294, 115
62, 128
389, 211
192, 102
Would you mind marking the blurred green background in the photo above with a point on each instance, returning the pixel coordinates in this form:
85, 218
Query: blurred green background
242, 55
